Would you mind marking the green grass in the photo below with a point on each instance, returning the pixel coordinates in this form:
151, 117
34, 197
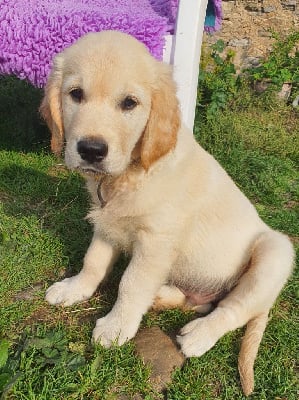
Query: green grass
43, 236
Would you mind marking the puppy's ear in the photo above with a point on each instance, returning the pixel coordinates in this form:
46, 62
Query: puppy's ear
160, 134
51, 109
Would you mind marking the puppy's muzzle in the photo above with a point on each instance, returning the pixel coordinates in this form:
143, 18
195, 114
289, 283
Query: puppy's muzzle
92, 151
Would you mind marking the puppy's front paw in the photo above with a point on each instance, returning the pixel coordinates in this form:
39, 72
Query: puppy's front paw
111, 329
197, 337
69, 291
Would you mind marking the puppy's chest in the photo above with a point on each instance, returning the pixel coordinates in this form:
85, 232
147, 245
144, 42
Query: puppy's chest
116, 214
120, 230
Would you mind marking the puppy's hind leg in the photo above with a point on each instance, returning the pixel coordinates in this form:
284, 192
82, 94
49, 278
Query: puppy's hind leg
169, 297
255, 293
172, 297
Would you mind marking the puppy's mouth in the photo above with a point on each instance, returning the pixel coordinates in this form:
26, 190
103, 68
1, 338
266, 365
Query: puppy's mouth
91, 170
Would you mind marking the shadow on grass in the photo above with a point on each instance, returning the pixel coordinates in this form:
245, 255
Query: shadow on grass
21, 127
58, 203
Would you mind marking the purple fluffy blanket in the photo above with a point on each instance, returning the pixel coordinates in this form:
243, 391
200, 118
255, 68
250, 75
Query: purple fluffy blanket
32, 31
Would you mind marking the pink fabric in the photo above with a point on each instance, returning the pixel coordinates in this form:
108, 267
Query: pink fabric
32, 31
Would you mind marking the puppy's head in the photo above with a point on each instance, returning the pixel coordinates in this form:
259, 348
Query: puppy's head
111, 102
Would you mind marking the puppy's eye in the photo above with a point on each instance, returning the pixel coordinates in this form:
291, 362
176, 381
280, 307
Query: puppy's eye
128, 103
77, 94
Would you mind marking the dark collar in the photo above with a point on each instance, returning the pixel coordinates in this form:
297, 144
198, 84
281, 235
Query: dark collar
99, 193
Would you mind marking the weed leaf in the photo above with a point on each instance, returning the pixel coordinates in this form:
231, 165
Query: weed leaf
8, 383
75, 361
4, 345
95, 364
4, 379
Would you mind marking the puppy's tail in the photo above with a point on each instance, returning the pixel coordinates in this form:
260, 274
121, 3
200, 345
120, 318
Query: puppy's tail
272, 257
248, 352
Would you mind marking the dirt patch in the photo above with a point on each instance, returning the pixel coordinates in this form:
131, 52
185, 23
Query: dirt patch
161, 353
29, 293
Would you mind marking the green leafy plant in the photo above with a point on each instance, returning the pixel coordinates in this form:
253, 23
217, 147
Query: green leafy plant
218, 82
9, 368
282, 64
37, 353
4, 375
53, 349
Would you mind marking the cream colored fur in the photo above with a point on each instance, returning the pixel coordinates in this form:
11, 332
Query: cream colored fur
169, 203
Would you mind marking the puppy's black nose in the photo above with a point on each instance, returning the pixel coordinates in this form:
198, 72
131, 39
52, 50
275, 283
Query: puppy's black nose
92, 150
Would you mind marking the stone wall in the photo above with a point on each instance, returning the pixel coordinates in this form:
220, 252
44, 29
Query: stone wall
247, 24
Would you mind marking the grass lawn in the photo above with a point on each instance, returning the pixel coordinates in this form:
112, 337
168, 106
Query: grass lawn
45, 352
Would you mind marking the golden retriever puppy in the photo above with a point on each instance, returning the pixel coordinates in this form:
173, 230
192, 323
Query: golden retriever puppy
156, 194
